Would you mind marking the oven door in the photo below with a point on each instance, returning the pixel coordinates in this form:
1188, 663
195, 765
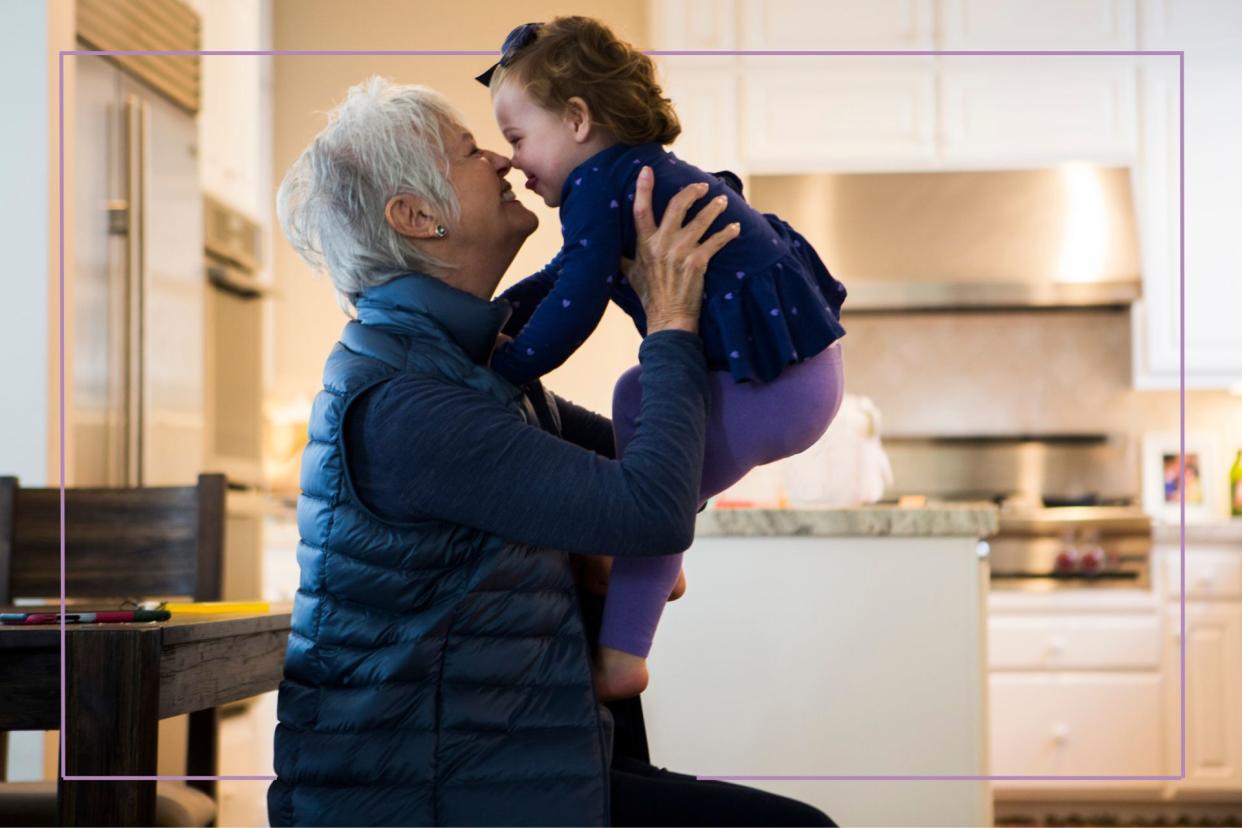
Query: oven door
234, 388
1046, 564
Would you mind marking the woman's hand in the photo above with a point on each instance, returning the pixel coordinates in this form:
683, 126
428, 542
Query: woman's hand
668, 272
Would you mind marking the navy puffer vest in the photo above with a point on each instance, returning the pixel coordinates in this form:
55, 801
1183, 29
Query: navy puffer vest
435, 675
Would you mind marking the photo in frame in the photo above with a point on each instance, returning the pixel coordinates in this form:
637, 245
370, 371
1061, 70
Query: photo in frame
1164, 486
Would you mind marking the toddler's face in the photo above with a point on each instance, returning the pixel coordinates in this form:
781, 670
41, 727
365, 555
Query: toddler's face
543, 142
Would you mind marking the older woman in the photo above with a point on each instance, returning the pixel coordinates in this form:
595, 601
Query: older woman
439, 668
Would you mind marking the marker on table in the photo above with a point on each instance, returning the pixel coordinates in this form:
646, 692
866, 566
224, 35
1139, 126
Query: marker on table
108, 617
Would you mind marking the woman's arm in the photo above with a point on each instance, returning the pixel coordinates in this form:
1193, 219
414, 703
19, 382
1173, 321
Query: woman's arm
585, 428
421, 447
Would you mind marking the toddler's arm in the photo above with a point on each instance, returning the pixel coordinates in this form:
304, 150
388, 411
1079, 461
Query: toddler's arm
526, 295
578, 298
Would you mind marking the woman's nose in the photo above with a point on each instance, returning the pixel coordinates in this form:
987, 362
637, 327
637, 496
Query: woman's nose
501, 163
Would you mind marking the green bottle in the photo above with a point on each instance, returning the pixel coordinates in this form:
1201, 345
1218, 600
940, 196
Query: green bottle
1235, 486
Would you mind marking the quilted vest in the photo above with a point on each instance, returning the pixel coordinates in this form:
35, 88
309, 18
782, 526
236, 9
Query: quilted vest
435, 674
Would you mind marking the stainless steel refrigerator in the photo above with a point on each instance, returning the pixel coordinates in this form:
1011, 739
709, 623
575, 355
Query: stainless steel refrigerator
136, 286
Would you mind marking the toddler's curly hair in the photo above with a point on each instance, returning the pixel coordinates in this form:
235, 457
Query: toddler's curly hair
581, 57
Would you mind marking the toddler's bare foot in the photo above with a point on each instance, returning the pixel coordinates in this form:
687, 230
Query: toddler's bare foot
619, 675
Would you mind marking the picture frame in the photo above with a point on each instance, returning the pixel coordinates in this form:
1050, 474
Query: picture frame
1204, 485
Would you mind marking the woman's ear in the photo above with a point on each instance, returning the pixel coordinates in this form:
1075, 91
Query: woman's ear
578, 118
410, 216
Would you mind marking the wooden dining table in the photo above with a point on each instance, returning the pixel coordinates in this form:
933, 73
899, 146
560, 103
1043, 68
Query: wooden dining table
120, 680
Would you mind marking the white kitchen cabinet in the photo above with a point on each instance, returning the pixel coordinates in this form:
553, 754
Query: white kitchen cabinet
693, 25
235, 121
1035, 111
1006, 25
1189, 24
1210, 33
831, 25
1211, 573
881, 113
1213, 669
820, 114
1076, 724
1075, 693
825, 114
706, 102
1104, 641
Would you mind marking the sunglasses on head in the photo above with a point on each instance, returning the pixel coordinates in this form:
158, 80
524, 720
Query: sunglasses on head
518, 39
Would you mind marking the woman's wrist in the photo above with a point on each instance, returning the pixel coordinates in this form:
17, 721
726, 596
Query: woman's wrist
681, 322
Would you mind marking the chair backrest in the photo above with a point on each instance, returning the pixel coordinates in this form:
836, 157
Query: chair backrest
119, 543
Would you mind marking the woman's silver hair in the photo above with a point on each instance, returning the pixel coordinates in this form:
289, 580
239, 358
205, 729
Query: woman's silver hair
383, 139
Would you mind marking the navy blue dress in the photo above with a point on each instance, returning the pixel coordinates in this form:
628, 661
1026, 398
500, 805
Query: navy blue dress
769, 301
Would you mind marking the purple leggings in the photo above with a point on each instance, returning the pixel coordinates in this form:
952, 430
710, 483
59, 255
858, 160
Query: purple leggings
749, 424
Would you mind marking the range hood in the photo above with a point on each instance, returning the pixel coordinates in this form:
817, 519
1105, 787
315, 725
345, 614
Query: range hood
1058, 237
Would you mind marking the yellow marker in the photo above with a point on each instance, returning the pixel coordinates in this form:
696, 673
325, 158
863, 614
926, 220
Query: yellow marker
214, 607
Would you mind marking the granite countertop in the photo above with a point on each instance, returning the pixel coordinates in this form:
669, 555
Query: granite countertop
975, 520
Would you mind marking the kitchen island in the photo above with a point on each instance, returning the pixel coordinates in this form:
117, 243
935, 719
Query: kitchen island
832, 643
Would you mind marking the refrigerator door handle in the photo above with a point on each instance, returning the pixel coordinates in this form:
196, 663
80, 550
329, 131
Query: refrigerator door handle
135, 185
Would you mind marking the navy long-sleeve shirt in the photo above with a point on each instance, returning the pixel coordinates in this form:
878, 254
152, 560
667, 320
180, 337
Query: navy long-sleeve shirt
768, 299
419, 447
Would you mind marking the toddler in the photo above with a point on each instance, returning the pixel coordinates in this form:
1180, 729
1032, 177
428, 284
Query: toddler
583, 114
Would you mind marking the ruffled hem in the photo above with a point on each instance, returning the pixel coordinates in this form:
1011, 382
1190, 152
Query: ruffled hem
775, 317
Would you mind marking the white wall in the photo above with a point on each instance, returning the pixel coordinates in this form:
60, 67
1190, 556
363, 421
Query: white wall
24, 167
25, 157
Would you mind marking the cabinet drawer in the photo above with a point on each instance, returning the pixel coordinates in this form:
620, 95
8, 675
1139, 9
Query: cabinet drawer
1093, 642
1076, 724
1209, 574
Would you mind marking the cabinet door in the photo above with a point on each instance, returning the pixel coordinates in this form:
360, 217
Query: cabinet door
1213, 694
1047, 25
1031, 111
837, 113
877, 25
1072, 724
1211, 35
1188, 24
704, 90
692, 24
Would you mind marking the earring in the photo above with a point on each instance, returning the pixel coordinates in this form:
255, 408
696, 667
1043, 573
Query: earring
441, 231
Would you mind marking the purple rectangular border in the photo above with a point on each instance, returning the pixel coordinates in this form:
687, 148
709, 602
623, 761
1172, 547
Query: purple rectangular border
1181, 150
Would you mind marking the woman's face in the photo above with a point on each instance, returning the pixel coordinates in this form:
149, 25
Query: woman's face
490, 210
543, 143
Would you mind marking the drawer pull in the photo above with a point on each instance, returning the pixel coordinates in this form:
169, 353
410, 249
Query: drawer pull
1060, 734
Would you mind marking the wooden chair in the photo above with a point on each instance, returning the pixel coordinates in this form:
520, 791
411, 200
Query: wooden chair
121, 544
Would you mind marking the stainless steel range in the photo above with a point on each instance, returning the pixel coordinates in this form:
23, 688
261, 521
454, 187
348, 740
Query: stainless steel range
1068, 518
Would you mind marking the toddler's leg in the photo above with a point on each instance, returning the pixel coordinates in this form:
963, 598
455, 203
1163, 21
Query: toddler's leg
749, 425
638, 588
